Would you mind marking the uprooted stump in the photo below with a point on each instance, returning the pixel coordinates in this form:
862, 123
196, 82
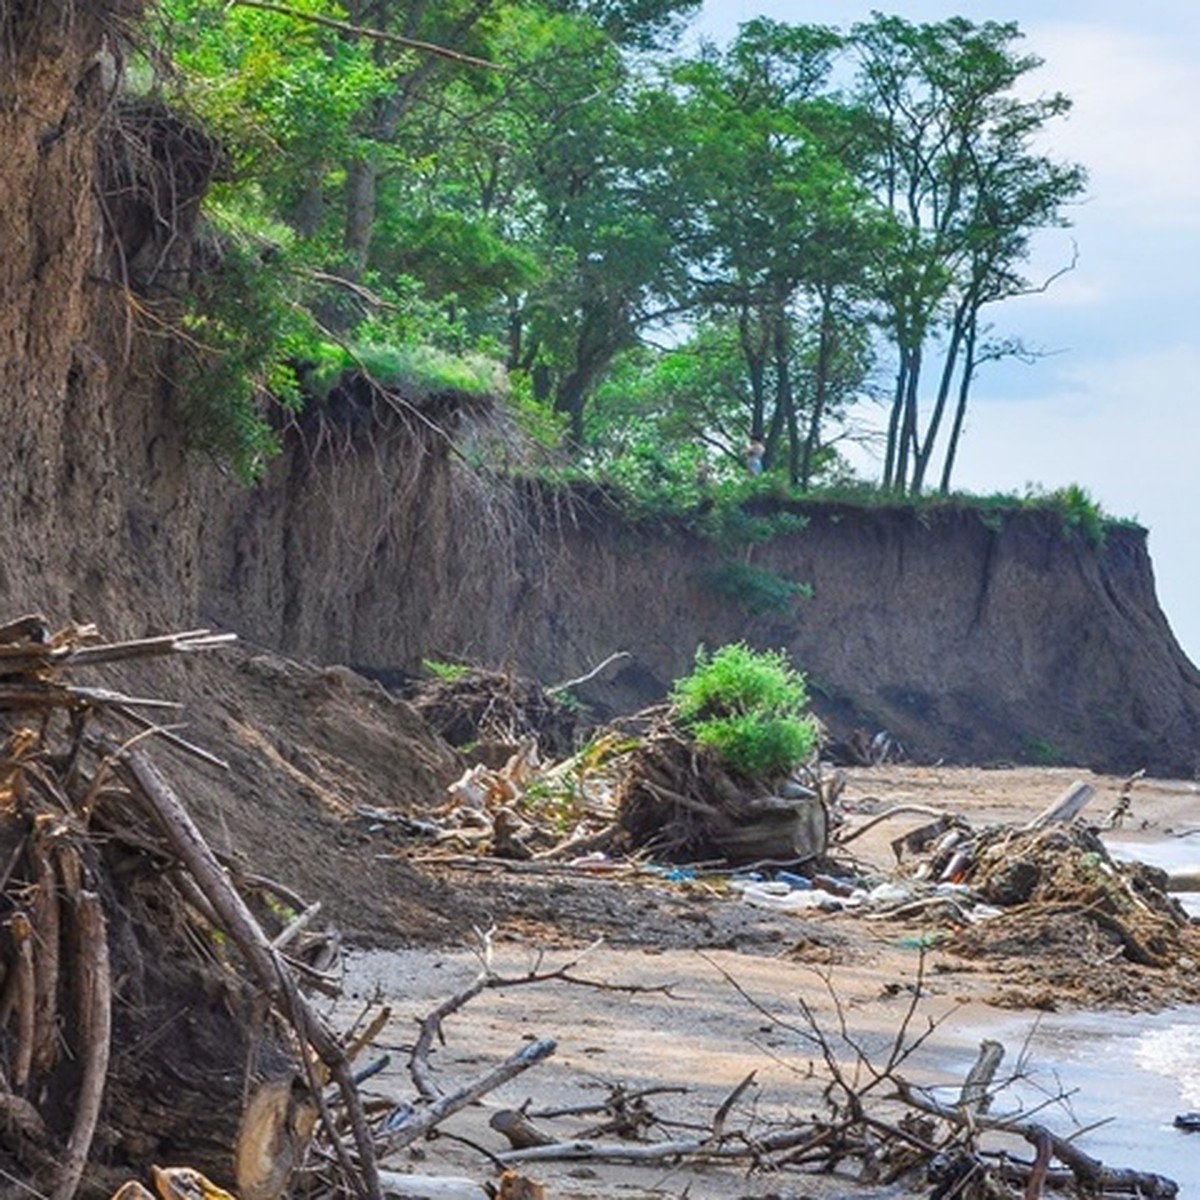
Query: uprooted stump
146, 1004
679, 802
493, 713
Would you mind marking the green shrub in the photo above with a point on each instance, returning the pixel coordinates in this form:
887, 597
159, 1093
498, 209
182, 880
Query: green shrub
750, 707
1080, 514
757, 589
445, 672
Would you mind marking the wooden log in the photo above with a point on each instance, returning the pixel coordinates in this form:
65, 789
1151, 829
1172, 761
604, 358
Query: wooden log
519, 1129
1066, 808
168, 643
94, 1023
402, 1186
976, 1096
265, 961
449, 1104
24, 996
44, 911
1094, 1175
276, 1126
1087, 1170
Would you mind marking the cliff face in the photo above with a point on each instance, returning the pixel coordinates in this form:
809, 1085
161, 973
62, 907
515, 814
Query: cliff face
97, 515
1013, 640
371, 544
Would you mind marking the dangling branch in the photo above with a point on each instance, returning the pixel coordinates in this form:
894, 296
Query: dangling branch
378, 35
265, 961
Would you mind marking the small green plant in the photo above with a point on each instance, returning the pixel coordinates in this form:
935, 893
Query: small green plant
750, 707
445, 671
417, 371
1042, 752
757, 589
1080, 513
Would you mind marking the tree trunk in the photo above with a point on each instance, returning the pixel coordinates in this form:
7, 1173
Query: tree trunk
825, 352
960, 410
785, 397
925, 447
756, 368
361, 179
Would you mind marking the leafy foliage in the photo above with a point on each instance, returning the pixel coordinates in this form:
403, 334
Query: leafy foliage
796, 212
749, 706
758, 590
1080, 513
238, 338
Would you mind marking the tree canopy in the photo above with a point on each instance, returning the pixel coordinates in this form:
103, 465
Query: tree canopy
669, 254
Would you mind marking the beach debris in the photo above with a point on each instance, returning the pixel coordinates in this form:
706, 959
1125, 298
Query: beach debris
120, 917
847, 1122
677, 801
489, 715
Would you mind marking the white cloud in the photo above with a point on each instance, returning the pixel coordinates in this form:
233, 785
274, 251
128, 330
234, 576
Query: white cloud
1131, 125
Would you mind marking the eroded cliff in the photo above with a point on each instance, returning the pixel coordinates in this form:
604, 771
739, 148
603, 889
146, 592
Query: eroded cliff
371, 542
970, 638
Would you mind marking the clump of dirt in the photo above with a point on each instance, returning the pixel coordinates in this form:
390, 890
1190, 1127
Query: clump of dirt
1077, 926
313, 755
678, 801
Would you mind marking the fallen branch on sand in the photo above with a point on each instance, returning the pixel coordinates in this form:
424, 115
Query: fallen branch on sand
873, 1119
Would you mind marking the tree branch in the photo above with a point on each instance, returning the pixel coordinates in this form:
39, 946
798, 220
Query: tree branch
378, 35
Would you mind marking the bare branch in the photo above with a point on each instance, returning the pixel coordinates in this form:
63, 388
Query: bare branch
378, 35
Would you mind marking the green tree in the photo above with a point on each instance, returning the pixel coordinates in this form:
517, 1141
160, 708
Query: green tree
780, 232
951, 159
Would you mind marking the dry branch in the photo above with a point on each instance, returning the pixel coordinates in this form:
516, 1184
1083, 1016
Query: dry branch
446, 1105
94, 1025
1089, 1172
266, 962
378, 35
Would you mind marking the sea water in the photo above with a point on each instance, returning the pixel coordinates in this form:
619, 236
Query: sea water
1129, 1075
1178, 856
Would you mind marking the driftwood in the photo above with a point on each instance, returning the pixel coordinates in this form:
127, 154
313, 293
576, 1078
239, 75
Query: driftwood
265, 961
447, 1105
75, 922
94, 1014
1089, 1172
1066, 808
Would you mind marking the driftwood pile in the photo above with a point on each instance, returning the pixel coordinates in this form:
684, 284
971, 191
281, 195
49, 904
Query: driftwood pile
149, 1007
491, 713
1052, 883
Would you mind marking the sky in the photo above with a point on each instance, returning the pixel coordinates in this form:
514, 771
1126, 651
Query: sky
1113, 405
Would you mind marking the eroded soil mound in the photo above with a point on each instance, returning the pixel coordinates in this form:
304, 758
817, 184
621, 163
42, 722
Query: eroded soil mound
1077, 927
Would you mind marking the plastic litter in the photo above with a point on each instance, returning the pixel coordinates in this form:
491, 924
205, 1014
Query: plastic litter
781, 898
800, 882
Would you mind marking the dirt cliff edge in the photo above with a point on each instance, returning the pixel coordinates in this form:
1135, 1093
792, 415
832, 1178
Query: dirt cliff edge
971, 637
